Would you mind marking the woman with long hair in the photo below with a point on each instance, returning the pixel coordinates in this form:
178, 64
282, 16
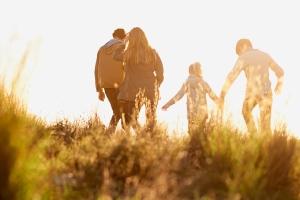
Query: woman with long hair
143, 76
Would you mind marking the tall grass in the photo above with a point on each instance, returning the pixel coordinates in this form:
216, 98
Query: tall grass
21, 136
7, 151
79, 160
215, 162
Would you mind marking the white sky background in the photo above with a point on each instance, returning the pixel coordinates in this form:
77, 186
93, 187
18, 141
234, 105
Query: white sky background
66, 36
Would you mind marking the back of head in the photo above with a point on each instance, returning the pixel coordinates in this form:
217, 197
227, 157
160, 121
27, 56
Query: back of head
138, 50
119, 33
137, 38
242, 45
195, 69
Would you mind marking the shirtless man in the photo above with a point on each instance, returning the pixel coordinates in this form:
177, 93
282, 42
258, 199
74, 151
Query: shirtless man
256, 65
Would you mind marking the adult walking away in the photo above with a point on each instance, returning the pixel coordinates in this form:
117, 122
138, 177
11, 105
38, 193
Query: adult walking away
109, 74
143, 76
196, 89
256, 65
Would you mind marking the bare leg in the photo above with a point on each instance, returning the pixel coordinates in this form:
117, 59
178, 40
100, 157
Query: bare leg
265, 105
249, 104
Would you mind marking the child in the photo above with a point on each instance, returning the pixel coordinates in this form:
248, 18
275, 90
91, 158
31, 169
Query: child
196, 89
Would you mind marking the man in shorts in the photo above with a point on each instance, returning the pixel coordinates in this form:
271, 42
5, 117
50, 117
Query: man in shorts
256, 65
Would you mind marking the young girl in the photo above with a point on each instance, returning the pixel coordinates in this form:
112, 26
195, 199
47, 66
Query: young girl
196, 89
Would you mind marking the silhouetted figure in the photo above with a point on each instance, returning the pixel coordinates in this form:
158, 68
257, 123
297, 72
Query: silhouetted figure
196, 89
143, 76
109, 74
256, 65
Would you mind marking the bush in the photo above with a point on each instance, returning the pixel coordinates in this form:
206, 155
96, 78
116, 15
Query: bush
80, 160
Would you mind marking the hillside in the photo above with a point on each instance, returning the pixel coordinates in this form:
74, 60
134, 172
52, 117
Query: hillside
80, 161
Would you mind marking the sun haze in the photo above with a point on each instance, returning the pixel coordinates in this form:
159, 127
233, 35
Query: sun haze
64, 37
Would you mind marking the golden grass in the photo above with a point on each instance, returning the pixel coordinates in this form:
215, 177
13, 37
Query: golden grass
81, 161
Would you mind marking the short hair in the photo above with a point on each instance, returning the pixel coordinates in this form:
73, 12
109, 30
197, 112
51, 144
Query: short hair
119, 33
195, 69
241, 43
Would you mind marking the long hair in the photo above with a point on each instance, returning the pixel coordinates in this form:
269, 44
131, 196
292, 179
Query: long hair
138, 50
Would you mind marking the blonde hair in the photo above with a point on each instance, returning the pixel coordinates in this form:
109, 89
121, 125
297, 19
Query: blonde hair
195, 69
240, 45
138, 50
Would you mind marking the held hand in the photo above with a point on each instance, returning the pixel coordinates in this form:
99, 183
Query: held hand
101, 96
221, 101
221, 104
222, 96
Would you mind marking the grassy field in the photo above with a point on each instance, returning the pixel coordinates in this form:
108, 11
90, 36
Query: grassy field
80, 161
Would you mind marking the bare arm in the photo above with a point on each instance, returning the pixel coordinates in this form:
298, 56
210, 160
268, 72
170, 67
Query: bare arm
279, 74
238, 67
177, 97
211, 93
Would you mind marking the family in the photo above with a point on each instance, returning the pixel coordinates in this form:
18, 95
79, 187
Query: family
129, 73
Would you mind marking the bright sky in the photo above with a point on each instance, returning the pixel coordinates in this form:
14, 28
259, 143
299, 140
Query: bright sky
65, 37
